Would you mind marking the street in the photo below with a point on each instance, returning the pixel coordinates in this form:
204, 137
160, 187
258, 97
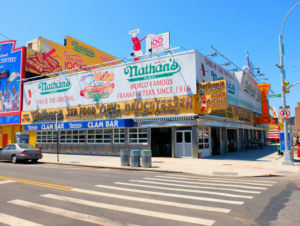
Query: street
51, 194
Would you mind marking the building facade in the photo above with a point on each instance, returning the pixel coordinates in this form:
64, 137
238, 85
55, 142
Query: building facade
176, 105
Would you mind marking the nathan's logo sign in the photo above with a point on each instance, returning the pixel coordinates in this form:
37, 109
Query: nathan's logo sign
57, 86
211, 96
47, 116
82, 49
152, 71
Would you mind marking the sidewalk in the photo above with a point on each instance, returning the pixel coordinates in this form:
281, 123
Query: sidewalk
254, 162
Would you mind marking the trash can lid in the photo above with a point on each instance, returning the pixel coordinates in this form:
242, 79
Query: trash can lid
146, 150
134, 150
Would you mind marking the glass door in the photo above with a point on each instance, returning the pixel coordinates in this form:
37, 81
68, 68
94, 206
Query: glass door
183, 143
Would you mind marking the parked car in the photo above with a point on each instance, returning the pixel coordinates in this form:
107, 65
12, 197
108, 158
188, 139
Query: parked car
19, 152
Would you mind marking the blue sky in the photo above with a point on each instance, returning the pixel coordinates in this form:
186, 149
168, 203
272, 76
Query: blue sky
230, 26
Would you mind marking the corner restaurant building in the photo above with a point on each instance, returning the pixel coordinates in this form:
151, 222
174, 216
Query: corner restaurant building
175, 105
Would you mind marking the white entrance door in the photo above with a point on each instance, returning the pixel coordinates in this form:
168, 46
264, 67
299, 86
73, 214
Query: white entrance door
184, 143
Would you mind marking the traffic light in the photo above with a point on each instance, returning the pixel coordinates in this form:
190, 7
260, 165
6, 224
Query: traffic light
286, 87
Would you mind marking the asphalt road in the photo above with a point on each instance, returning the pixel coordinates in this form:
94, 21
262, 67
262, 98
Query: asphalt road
50, 194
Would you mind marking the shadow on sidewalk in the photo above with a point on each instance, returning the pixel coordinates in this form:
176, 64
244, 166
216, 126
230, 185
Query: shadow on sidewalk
255, 154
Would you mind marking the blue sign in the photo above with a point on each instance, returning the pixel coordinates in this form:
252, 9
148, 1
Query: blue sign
10, 120
282, 141
95, 124
10, 73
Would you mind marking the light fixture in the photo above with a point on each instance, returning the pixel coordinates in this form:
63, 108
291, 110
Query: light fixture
257, 68
150, 50
212, 54
132, 54
262, 74
263, 79
226, 64
234, 69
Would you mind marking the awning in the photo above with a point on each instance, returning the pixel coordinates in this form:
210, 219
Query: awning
91, 124
165, 118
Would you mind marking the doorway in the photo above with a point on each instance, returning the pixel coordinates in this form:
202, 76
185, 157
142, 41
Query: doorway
5, 139
215, 140
183, 143
231, 140
161, 139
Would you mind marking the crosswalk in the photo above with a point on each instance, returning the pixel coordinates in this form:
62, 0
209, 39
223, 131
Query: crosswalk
170, 199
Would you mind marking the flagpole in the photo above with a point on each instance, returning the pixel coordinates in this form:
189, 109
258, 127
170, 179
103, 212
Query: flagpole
57, 138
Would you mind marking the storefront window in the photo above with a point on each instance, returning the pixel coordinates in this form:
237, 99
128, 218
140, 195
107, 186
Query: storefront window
203, 137
46, 137
119, 136
138, 135
72, 136
100, 136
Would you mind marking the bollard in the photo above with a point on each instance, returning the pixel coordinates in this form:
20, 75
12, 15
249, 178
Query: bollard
135, 158
146, 158
125, 157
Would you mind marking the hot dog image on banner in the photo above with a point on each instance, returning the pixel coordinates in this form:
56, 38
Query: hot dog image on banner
211, 96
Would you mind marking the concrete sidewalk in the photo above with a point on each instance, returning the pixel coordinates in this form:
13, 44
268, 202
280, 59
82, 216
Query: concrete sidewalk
254, 162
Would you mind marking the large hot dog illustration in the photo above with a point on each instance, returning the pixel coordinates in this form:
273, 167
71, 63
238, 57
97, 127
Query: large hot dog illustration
99, 85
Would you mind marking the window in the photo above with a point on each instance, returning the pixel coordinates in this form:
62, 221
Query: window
119, 136
72, 136
138, 135
24, 146
101, 136
46, 137
203, 137
30, 45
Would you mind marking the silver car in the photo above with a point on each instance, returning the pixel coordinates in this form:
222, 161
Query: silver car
18, 152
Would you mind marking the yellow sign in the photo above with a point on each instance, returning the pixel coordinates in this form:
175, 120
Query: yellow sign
140, 108
211, 96
53, 57
235, 113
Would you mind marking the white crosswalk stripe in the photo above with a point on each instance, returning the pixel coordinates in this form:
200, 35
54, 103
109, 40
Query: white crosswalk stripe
15, 221
192, 186
171, 195
6, 181
67, 213
215, 180
154, 201
219, 184
143, 212
188, 190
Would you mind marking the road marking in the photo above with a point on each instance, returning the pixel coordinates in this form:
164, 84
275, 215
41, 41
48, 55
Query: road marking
155, 201
191, 186
15, 221
131, 210
69, 214
66, 188
222, 181
222, 185
214, 178
172, 195
6, 181
185, 190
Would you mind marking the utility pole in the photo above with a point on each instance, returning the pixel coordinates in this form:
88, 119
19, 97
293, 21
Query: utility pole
288, 158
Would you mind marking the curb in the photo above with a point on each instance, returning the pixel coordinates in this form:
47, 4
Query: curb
164, 171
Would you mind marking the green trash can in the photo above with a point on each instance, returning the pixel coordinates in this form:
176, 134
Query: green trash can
146, 158
279, 152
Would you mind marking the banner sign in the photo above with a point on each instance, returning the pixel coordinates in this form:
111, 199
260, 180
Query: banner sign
158, 42
53, 57
95, 124
167, 76
11, 72
273, 131
10, 120
211, 96
141, 108
207, 71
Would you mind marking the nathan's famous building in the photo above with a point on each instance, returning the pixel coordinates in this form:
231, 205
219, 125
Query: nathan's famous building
176, 105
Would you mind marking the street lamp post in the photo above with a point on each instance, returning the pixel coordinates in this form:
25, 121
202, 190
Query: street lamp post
288, 158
